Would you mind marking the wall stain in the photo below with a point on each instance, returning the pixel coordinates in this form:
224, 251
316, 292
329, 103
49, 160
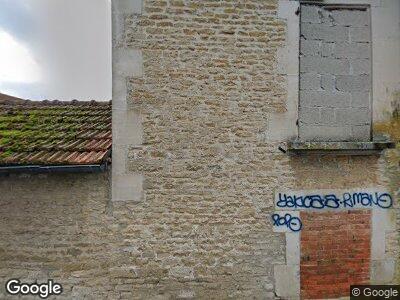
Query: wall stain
391, 128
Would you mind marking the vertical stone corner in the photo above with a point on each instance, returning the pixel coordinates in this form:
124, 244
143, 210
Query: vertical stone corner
127, 187
127, 6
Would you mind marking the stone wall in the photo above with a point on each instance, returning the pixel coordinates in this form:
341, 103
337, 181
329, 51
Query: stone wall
208, 80
66, 227
335, 74
194, 173
59, 227
209, 83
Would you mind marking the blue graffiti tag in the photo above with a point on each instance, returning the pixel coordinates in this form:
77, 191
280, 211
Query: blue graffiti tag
383, 200
347, 200
293, 223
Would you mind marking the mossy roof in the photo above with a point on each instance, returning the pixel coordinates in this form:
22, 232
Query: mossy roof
54, 132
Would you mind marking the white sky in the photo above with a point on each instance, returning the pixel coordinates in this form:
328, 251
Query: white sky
55, 49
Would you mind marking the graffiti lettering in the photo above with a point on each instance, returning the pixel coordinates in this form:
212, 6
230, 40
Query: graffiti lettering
346, 200
291, 222
383, 200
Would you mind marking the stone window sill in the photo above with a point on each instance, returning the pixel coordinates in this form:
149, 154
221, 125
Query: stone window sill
374, 147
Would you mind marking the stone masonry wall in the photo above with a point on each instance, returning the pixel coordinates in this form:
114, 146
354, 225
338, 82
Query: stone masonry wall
209, 80
58, 227
190, 213
335, 74
65, 227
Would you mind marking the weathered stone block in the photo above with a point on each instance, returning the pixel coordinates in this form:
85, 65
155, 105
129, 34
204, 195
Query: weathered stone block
325, 133
353, 83
360, 99
324, 99
327, 49
127, 62
353, 116
336, 99
328, 116
292, 248
326, 17
310, 81
382, 271
350, 17
309, 47
324, 32
119, 157
127, 6
360, 34
360, 66
287, 281
127, 187
127, 127
310, 14
328, 83
323, 65
351, 50
309, 115
361, 133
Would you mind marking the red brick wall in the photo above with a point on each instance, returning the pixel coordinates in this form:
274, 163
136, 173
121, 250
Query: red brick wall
335, 252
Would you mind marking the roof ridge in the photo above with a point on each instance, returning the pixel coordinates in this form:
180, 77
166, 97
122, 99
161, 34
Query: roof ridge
16, 102
12, 100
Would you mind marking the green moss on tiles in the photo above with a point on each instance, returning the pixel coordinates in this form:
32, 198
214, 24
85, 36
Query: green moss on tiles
29, 130
24, 129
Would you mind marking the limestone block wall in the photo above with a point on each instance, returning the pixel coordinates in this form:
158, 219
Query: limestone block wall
58, 227
204, 92
215, 99
335, 73
209, 79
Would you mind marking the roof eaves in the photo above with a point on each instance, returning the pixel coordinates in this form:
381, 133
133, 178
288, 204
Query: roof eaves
89, 168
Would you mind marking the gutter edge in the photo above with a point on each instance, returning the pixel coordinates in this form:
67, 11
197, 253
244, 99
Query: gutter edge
36, 169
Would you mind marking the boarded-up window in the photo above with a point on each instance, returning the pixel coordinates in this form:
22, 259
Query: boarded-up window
335, 252
335, 73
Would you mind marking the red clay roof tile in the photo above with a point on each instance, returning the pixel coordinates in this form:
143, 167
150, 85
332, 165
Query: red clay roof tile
54, 132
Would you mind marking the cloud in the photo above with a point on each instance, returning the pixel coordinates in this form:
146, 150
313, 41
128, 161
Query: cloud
17, 19
70, 40
23, 90
16, 62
